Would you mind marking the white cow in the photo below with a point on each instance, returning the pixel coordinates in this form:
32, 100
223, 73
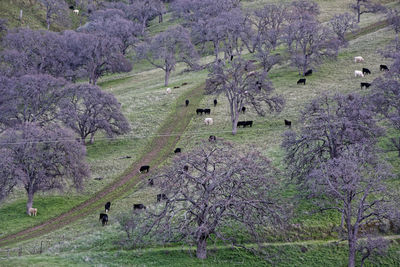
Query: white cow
76, 11
169, 90
358, 73
208, 121
358, 59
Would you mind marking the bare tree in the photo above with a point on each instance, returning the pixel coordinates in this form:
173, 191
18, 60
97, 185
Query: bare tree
341, 24
330, 124
365, 6
372, 247
353, 184
242, 84
393, 16
207, 190
42, 159
55, 10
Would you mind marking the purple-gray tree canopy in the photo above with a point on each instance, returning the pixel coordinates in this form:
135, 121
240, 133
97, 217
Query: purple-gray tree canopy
42, 158
243, 85
393, 16
56, 10
168, 48
341, 24
29, 98
330, 124
354, 184
386, 100
360, 7
87, 109
8, 172
210, 189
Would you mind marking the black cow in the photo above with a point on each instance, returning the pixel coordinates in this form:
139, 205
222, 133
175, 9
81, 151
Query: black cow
177, 150
186, 168
244, 110
187, 102
207, 111
151, 182
366, 71
248, 123
366, 85
288, 123
183, 84
71, 7
212, 138
215, 102
383, 67
107, 206
144, 168
303, 81
139, 207
308, 73
231, 57
199, 111
161, 197
103, 218
241, 123
175, 87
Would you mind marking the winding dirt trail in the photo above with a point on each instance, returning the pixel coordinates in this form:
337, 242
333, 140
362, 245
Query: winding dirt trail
168, 136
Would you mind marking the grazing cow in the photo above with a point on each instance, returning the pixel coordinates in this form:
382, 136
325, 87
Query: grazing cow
358, 73
151, 182
169, 90
208, 121
199, 111
383, 67
308, 73
244, 110
215, 102
241, 123
366, 85
207, 111
177, 150
107, 207
187, 102
248, 123
176, 87
144, 168
212, 138
186, 168
183, 84
366, 71
288, 123
303, 81
104, 218
139, 207
161, 197
76, 11
358, 59
71, 7
32, 211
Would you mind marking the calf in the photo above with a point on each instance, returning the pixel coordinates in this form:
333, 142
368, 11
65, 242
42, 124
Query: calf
199, 111
187, 102
358, 73
177, 150
139, 207
144, 168
366, 71
366, 85
215, 102
161, 197
358, 59
168, 90
32, 211
303, 81
244, 110
107, 206
308, 73
212, 138
383, 67
288, 123
207, 111
208, 121
76, 11
103, 218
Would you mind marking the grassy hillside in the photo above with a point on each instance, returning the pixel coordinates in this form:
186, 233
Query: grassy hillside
147, 107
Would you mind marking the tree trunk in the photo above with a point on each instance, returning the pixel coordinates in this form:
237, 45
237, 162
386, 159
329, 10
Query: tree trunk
201, 252
352, 253
160, 18
166, 78
91, 138
234, 123
30, 201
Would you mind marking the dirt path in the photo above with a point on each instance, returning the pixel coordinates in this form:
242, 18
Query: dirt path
175, 124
